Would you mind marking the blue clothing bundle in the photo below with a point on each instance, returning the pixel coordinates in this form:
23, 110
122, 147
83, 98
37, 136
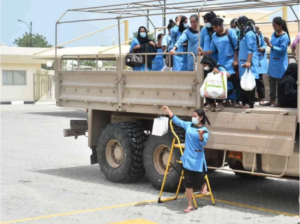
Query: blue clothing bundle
225, 49
278, 61
158, 61
262, 56
248, 45
193, 157
191, 37
179, 61
205, 41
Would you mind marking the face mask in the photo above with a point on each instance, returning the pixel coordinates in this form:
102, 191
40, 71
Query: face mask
208, 25
207, 68
237, 29
185, 25
143, 35
195, 120
234, 29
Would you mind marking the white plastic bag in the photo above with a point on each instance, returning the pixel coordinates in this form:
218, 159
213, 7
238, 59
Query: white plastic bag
214, 86
248, 81
160, 126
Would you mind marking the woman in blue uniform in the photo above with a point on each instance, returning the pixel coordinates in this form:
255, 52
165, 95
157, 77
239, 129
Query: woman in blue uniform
263, 67
193, 159
247, 57
224, 41
207, 32
158, 61
179, 61
142, 44
278, 62
167, 44
190, 36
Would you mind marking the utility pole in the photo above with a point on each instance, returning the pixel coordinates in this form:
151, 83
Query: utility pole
30, 30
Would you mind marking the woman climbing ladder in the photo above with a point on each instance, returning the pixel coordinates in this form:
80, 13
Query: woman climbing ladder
193, 158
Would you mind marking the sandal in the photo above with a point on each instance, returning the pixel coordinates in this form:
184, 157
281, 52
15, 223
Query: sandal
187, 210
275, 105
227, 104
209, 107
261, 102
246, 106
238, 105
268, 104
219, 107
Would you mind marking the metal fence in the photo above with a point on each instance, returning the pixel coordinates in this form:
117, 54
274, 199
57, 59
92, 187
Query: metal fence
43, 87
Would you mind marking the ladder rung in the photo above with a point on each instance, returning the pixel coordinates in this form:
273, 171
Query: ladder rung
178, 145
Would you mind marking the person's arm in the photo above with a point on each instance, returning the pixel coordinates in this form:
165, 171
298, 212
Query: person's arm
202, 38
295, 42
263, 44
203, 136
174, 31
152, 43
134, 45
175, 119
251, 45
233, 38
284, 42
183, 38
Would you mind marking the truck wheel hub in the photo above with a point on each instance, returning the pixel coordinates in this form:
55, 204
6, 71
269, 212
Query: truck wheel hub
161, 158
114, 153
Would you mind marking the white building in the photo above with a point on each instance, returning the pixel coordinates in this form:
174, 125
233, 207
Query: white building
17, 73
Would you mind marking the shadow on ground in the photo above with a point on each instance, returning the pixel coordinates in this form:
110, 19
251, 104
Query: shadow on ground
277, 195
64, 114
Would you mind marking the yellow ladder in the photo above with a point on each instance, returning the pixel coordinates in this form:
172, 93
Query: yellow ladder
181, 147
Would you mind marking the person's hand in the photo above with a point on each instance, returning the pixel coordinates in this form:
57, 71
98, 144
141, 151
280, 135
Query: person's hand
165, 108
235, 64
179, 18
261, 49
247, 65
267, 40
216, 71
172, 52
200, 49
152, 43
201, 132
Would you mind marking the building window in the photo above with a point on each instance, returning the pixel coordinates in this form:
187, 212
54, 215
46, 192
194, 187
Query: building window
13, 78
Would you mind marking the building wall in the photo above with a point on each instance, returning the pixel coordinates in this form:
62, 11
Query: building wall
22, 92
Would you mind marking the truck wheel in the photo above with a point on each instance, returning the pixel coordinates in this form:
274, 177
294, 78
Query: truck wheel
120, 152
156, 155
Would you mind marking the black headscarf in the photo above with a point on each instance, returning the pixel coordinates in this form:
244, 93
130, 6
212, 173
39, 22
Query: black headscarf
146, 47
140, 39
292, 70
181, 26
209, 16
207, 59
243, 24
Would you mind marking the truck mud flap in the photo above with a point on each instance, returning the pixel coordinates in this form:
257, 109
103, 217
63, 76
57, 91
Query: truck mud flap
77, 128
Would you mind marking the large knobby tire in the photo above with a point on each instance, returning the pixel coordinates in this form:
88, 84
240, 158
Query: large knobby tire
120, 152
158, 148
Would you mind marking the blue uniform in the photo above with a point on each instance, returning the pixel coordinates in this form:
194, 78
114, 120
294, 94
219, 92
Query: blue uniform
192, 38
158, 61
179, 61
229, 85
278, 62
167, 41
205, 41
262, 56
225, 50
191, 159
135, 42
248, 45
